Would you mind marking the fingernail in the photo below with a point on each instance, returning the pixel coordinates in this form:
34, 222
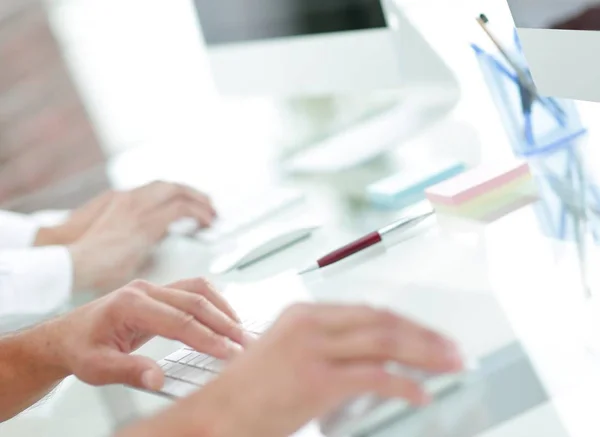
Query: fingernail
424, 399
151, 380
233, 349
248, 338
453, 356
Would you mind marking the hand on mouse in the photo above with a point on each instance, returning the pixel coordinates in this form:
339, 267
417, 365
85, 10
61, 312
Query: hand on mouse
150, 196
113, 236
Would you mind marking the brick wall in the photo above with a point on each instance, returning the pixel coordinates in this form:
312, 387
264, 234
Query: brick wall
45, 133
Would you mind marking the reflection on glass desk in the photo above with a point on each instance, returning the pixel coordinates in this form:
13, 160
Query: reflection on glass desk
504, 387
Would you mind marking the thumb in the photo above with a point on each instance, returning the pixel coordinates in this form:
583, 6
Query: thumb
133, 370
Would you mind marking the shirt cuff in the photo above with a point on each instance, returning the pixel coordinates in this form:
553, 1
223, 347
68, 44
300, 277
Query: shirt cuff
35, 281
17, 230
51, 217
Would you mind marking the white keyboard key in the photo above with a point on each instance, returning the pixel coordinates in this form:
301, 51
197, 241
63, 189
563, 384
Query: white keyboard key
178, 355
175, 369
190, 374
192, 356
257, 326
197, 362
263, 327
165, 365
187, 373
258, 331
177, 388
249, 324
199, 377
215, 366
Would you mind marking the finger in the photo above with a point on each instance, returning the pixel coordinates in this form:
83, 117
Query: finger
342, 319
158, 318
198, 196
410, 346
204, 215
133, 370
363, 378
100, 202
202, 309
157, 193
201, 213
337, 319
156, 223
205, 288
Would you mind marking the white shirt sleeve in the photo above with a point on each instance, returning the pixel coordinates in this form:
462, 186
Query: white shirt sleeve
17, 230
34, 280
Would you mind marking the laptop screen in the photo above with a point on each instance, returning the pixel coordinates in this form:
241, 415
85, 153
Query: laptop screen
230, 21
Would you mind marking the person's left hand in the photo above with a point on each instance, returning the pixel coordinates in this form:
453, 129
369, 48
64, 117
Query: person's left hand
94, 342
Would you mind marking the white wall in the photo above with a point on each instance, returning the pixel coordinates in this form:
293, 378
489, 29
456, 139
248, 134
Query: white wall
140, 65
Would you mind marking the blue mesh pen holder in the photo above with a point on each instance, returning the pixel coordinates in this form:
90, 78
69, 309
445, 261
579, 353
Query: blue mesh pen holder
548, 133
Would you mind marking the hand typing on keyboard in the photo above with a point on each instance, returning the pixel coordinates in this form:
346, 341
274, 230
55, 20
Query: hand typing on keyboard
93, 342
313, 359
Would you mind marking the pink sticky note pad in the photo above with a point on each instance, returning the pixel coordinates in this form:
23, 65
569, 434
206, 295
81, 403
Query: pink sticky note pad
475, 183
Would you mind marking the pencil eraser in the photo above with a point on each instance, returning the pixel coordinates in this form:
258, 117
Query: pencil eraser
477, 182
408, 186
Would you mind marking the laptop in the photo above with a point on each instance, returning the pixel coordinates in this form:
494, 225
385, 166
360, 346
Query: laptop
187, 370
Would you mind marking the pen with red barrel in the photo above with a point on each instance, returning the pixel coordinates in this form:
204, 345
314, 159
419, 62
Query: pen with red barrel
364, 242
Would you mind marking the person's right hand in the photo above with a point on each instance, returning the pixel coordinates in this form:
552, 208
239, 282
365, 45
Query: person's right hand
120, 239
313, 360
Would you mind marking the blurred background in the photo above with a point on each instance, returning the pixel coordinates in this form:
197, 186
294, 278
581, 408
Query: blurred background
83, 81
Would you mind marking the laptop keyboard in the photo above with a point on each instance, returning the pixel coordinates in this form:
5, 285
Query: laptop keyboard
187, 370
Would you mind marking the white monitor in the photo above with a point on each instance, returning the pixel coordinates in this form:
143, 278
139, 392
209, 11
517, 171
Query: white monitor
561, 42
289, 48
